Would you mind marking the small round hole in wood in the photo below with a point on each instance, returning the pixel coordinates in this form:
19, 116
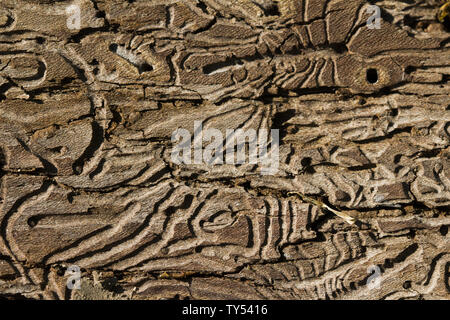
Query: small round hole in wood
372, 76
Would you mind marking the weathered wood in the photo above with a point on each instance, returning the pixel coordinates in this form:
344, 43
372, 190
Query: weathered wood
88, 180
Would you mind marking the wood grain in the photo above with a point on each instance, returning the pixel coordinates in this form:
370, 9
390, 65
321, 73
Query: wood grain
87, 178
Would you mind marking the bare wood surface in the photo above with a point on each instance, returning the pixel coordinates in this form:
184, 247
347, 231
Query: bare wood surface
87, 179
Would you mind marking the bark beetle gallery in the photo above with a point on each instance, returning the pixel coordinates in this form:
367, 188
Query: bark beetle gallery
91, 92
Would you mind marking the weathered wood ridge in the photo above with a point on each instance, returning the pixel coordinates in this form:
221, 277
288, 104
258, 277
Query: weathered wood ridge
87, 179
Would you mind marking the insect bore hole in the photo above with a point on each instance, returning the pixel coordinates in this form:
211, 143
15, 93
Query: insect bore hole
372, 76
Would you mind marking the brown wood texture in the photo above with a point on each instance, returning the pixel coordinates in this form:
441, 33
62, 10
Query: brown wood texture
87, 178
